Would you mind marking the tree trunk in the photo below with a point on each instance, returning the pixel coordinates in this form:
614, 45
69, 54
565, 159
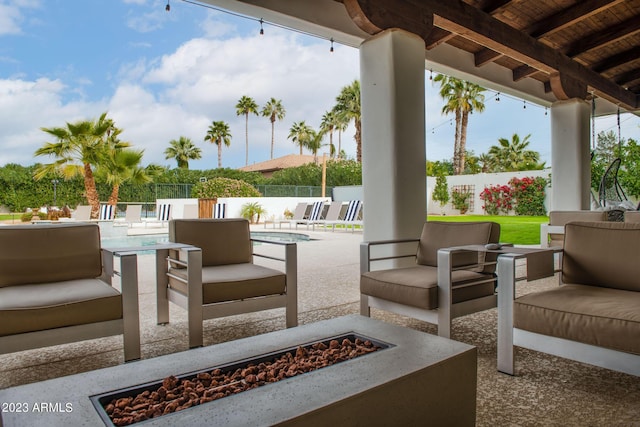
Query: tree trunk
272, 136
456, 145
246, 134
219, 153
358, 138
463, 140
113, 198
91, 192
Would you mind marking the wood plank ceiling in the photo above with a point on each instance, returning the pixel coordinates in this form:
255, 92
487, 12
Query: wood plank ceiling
575, 48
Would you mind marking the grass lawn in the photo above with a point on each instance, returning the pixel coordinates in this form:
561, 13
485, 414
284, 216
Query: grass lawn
9, 217
519, 230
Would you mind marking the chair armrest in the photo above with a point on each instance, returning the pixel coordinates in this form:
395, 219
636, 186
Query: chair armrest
290, 266
365, 252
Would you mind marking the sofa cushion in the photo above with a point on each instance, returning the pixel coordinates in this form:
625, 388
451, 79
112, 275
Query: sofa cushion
36, 307
437, 235
233, 282
564, 217
594, 315
223, 241
31, 254
418, 286
600, 254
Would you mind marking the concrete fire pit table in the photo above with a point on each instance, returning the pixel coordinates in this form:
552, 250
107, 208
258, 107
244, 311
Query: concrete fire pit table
419, 379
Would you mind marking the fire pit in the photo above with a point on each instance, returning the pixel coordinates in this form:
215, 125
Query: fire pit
173, 394
417, 379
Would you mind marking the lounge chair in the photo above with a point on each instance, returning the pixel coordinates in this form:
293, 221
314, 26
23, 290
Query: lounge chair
164, 215
82, 213
298, 214
416, 290
190, 211
107, 212
55, 288
351, 216
314, 216
220, 210
216, 276
332, 215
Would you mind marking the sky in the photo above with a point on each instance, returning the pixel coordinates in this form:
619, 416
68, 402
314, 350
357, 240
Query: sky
162, 75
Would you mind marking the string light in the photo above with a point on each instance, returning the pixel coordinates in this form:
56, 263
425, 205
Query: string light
167, 7
545, 111
261, 28
524, 105
331, 49
498, 97
431, 75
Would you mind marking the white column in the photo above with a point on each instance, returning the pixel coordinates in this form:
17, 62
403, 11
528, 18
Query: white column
570, 155
393, 135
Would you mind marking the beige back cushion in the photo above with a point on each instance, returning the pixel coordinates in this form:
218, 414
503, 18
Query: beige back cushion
602, 254
437, 235
631, 216
223, 241
564, 217
31, 254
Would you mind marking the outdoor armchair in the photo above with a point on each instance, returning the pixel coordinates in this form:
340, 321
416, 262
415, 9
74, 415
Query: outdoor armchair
215, 276
415, 290
552, 234
55, 288
594, 315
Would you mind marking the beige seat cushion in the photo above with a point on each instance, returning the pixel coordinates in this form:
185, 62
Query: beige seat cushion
35, 307
594, 315
418, 286
602, 254
49, 253
234, 282
223, 241
437, 235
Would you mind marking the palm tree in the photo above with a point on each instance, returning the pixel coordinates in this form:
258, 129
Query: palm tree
120, 166
275, 111
182, 150
219, 134
512, 155
245, 106
461, 98
79, 148
329, 124
348, 108
300, 133
314, 143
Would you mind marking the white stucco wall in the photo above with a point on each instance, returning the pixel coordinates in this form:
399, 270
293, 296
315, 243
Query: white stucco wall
480, 181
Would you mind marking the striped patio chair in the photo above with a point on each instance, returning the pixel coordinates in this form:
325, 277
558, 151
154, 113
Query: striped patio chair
314, 216
107, 213
220, 210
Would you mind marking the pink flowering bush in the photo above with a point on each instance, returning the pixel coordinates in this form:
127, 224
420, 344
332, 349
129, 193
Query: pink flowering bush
528, 195
497, 199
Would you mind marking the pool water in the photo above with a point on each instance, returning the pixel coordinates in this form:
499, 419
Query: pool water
153, 239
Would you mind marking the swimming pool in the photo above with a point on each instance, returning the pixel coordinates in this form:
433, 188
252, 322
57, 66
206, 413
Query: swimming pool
153, 239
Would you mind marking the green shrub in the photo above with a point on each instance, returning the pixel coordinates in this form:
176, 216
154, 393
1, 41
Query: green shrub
27, 216
224, 187
460, 199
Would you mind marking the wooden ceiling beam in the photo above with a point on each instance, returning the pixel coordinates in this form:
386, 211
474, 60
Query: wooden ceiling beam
523, 72
567, 17
437, 37
420, 16
604, 37
617, 60
628, 77
493, 7
485, 56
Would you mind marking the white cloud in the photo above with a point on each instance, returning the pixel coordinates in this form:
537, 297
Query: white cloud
10, 19
25, 107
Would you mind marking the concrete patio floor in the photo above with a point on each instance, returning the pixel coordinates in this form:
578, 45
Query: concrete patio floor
546, 391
